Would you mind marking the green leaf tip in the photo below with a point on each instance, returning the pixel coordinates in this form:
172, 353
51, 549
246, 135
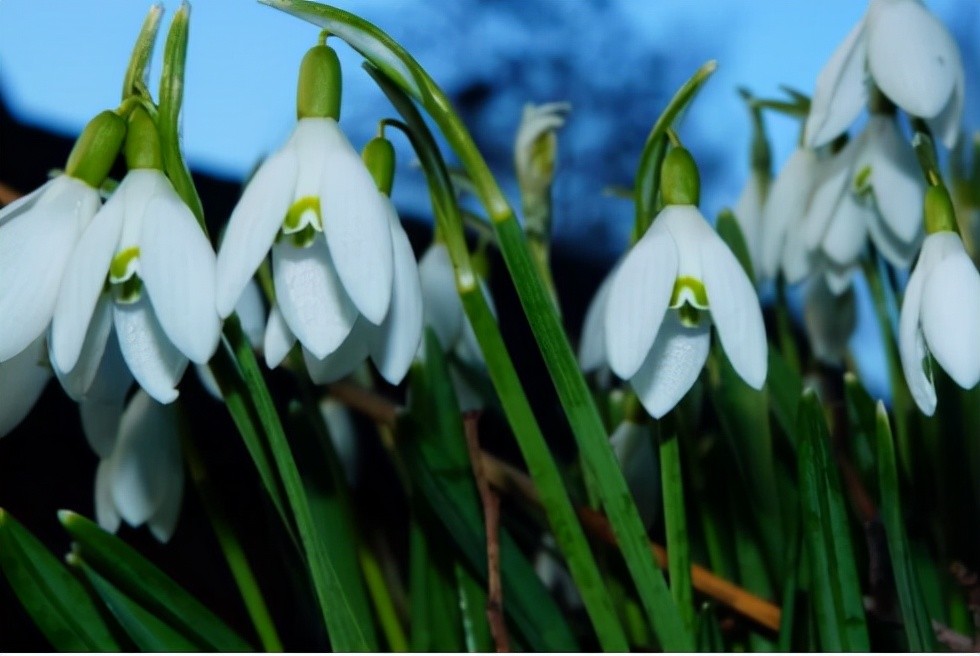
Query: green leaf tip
66, 517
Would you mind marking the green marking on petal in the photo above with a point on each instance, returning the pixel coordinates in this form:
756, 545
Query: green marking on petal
688, 290
862, 181
304, 213
304, 238
689, 315
123, 265
128, 291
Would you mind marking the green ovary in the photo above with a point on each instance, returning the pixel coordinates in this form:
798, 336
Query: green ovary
303, 221
689, 298
124, 280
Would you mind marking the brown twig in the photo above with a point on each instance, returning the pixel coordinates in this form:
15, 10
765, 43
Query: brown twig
508, 479
955, 641
491, 520
8, 194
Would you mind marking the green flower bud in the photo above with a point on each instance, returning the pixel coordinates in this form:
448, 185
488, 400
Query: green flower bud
379, 157
96, 149
143, 142
318, 91
679, 180
939, 213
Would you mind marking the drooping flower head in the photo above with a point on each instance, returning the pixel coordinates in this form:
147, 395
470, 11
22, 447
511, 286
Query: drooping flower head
316, 206
143, 268
39, 231
677, 281
940, 318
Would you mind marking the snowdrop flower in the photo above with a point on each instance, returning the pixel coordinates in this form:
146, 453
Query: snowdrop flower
39, 231
678, 280
143, 267
141, 481
941, 310
316, 206
907, 53
782, 247
830, 319
592, 355
22, 379
634, 448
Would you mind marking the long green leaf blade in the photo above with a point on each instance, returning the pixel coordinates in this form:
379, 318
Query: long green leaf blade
55, 600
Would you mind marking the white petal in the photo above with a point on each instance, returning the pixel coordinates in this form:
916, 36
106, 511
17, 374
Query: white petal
253, 226
900, 253
797, 260
340, 426
947, 124
163, 522
105, 508
251, 312
12, 210
208, 381
22, 379
85, 279
831, 186
838, 279
278, 339
638, 299
950, 316
178, 269
748, 213
896, 180
672, 365
785, 207
592, 345
830, 320
394, 343
633, 446
840, 92
77, 381
156, 364
912, 57
442, 310
356, 227
102, 407
735, 311
911, 344
145, 459
311, 297
343, 361
34, 248
846, 233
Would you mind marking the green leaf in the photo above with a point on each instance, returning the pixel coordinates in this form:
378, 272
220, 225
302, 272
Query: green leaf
141, 581
730, 232
918, 626
835, 585
55, 600
149, 632
135, 80
675, 526
473, 605
785, 388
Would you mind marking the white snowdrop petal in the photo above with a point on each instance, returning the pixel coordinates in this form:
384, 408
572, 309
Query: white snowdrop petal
102, 407
343, 360
950, 317
343, 435
898, 252
34, 250
832, 184
105, 507
84, 279
592, 345
278, 339
178, 268
896, 179
633, 446
838, 279
252, 227
638, 298
19, 206
911, 344
251, 312
840, 92
672, 365
830, 320
442, 310
77, 381
311, 297
163, 522
394, 343
356, 228
22, 379
846, 233
748, 213
146, 456
735, 311
912, 57
796, 260
156, 364
785, 206
947, 124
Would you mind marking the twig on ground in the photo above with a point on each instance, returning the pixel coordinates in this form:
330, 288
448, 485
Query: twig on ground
491, 520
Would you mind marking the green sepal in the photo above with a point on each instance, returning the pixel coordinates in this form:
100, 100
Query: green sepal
680, 183
142, 142
939, 212
379, 157
318, 90
96, 149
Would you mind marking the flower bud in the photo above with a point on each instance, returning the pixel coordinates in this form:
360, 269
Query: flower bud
679, 180
318, 91
143, 142
96, 149
939, 212
379, 158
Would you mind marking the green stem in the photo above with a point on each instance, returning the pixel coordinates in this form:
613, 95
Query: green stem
238, 563
383, 604
675, 522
